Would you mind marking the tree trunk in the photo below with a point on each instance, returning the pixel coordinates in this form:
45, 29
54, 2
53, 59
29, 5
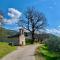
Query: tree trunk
33, 38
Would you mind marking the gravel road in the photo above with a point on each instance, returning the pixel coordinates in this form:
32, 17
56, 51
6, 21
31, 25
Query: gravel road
22, 53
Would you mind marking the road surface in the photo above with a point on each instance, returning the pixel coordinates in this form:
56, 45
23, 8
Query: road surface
22, 53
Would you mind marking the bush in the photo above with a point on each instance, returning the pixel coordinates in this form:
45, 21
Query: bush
53, 44
28, 41
11, 44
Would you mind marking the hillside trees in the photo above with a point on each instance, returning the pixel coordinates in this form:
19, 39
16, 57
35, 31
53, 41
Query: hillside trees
53, 43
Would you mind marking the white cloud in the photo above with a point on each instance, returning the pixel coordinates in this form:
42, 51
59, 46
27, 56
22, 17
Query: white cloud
53, 31
7, 21
11, 21
14, 14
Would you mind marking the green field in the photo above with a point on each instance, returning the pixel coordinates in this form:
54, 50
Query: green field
5, 49
45, 53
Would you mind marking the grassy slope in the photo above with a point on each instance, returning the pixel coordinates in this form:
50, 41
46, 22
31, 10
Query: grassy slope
5, 49
43, 51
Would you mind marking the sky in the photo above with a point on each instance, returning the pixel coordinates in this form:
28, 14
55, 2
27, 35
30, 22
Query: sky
50, 8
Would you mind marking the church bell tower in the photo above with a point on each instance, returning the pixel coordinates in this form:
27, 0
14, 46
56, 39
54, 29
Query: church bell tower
21, 37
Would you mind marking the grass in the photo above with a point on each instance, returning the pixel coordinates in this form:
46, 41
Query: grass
5, 49
38, 55
43, 50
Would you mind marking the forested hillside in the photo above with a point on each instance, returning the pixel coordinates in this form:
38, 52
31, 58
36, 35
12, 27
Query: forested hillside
4, 33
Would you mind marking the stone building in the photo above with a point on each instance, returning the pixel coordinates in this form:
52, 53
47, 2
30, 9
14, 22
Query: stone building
21, 37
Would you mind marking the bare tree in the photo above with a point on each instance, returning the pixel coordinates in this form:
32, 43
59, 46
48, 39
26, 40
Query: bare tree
33, 21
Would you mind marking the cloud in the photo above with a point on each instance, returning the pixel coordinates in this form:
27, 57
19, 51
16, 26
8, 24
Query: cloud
12, 12
14, 16
10, 21
55, 31
52, 30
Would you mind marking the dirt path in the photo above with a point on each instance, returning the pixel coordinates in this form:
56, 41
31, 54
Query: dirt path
22, 53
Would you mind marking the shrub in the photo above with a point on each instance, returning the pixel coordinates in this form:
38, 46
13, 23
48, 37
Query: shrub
53, 44
28, 41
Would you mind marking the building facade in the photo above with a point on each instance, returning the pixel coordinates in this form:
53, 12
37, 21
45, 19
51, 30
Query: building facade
21, 37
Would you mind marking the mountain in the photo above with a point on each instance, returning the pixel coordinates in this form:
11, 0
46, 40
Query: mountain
4, 33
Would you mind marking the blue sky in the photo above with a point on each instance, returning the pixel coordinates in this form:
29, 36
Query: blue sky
51, 9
